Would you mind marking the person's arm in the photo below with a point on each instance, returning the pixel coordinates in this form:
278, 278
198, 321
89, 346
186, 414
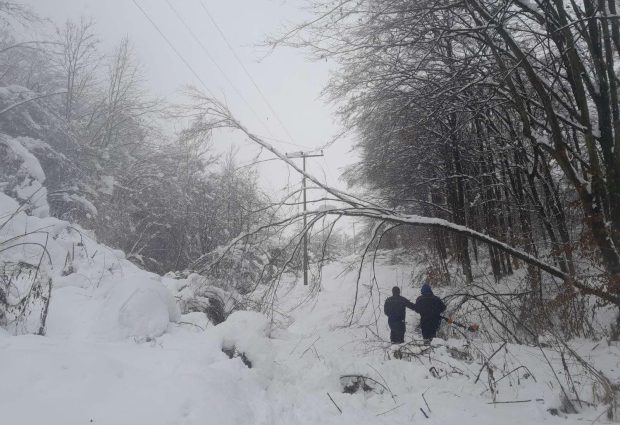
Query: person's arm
411, 306
442, 306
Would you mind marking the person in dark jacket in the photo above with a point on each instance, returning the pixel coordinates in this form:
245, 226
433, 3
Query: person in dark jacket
394, 309
429, 307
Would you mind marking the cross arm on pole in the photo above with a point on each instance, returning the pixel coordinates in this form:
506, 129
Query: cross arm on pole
302, 154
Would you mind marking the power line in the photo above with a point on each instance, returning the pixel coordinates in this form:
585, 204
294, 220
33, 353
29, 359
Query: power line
273, 139
219, 68
187, 64
193, 71
245, 70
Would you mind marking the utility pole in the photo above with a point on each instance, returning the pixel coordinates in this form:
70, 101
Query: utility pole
304, 155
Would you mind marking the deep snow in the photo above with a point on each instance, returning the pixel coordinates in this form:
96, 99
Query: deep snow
117, 350
183, 377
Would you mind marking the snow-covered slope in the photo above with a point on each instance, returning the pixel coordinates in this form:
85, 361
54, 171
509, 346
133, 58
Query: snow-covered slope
96, 293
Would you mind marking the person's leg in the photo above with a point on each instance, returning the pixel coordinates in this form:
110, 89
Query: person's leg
401, 332
397, 332
428, 332
392, 334
396, 336
393, 331
429, 329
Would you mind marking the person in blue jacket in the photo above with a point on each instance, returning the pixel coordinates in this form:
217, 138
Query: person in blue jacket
429, 307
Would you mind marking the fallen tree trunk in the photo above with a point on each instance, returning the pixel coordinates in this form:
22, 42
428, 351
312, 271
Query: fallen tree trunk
216, 115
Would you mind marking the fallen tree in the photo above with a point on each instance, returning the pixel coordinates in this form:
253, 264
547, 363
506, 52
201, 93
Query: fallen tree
210, 114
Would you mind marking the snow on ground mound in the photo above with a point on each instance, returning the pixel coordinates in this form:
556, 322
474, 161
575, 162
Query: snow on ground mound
247, 332
182, 378
96, 293
27, 172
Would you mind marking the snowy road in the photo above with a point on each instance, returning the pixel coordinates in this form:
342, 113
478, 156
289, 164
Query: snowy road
182, 377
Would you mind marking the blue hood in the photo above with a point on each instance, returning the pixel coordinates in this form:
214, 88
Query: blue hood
426, 289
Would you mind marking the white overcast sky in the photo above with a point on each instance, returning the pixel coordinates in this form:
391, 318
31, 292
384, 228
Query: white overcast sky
291, 83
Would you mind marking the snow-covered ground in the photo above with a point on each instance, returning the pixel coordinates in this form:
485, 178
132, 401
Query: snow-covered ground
74, 375
117, 350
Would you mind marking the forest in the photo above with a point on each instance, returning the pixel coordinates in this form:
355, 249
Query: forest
487, 138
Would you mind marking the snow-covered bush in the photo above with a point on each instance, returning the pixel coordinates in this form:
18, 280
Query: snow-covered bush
55, 279
240, 268
196, 294
247, 333
22, 176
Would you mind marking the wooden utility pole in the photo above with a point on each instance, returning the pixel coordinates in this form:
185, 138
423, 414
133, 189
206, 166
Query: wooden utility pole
304, 155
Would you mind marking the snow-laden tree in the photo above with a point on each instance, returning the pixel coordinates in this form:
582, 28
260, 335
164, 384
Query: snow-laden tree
110, 162
498, 115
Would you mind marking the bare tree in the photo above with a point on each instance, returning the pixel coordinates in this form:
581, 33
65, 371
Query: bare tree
77, 62
500, 115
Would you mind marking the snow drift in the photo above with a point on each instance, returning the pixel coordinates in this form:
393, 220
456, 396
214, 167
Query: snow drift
96, 293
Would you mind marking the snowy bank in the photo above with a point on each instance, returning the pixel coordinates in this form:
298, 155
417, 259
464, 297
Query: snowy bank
96, 293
